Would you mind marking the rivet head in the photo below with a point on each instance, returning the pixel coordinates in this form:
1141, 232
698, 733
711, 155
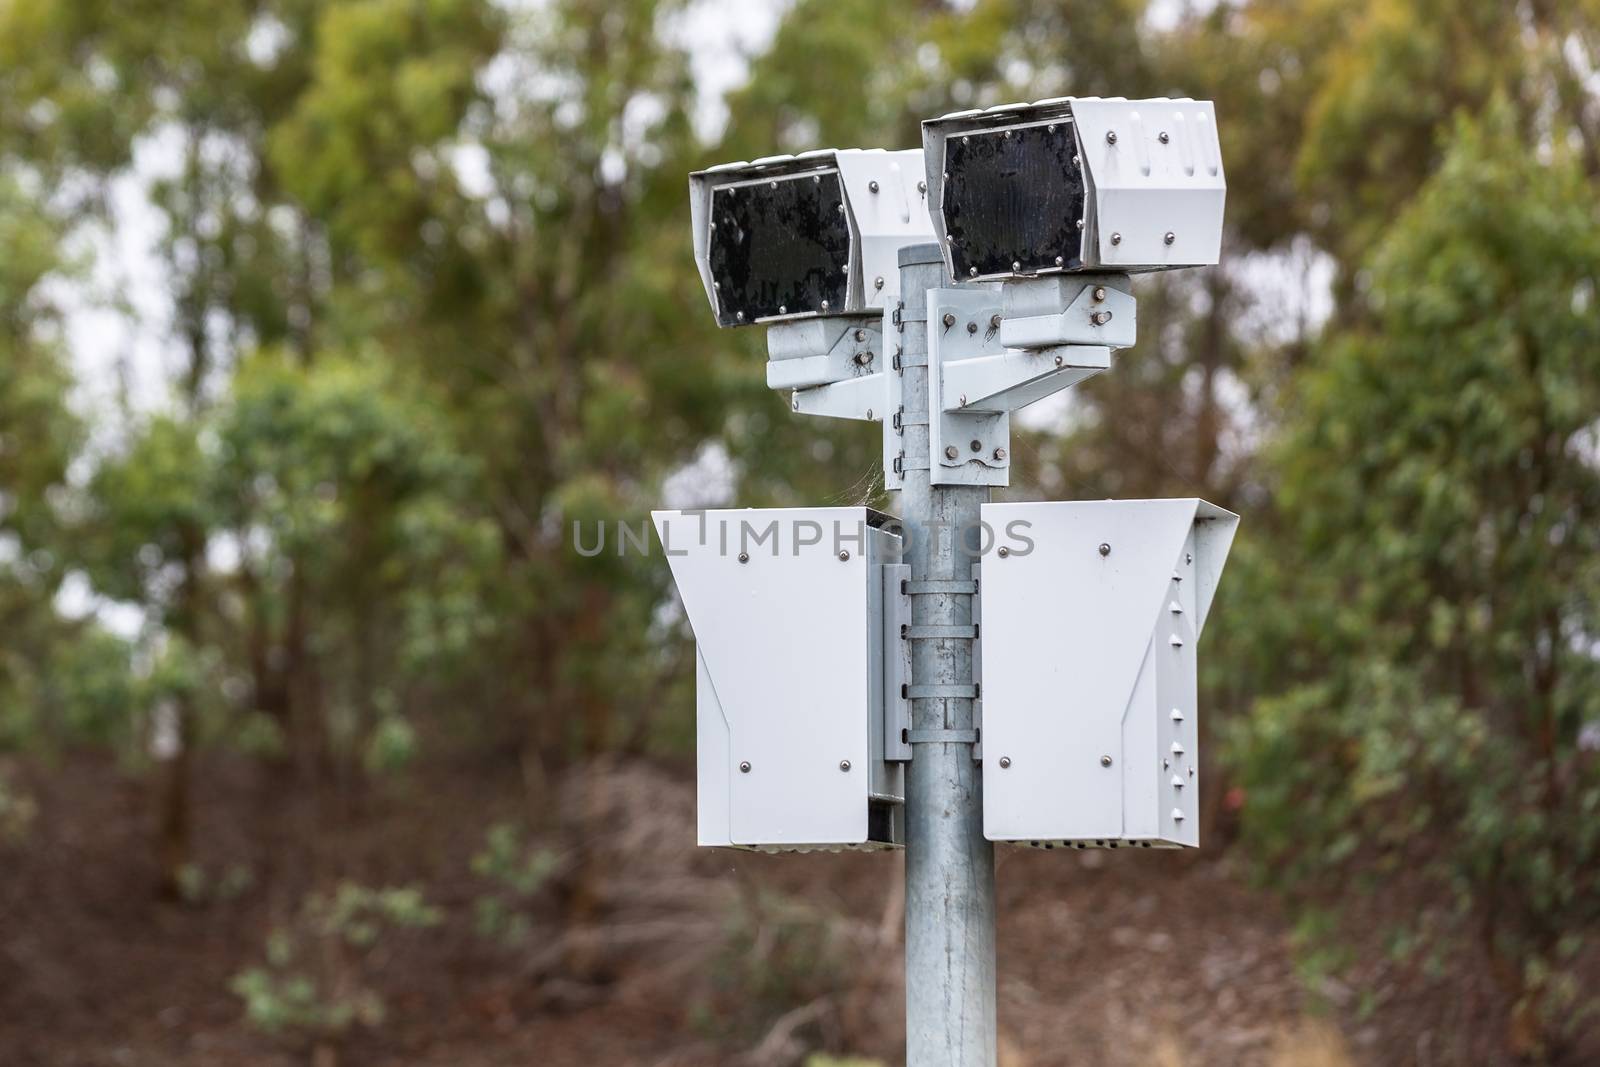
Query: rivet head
950, 452
1105, 761
1164, 138
1169, 237
773, 185
1060, 361
1005, 761
1050, 128
1060, 261
872, 187
877, 283
840, 209
844, 555
744, 557
1105, 549
1116, 238
1016, 265
824, 305
1004, 552
972, 272
739, 315
744, 767
1111, 137
783, 309
922, 186
844, 765
1080, 224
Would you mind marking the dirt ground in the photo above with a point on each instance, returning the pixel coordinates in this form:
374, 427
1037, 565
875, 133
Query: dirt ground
641, 950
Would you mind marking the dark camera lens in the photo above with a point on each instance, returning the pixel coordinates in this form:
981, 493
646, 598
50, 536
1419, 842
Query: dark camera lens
780, 247
1012, 200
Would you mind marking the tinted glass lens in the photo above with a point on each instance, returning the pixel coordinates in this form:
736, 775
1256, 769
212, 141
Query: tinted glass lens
1013, 196
780, 247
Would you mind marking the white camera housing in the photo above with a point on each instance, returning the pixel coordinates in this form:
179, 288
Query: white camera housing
1075, 184
813, 235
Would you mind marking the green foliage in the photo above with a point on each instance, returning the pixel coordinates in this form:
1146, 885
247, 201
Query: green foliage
17, 811
518, 873
1444, 496
312, 986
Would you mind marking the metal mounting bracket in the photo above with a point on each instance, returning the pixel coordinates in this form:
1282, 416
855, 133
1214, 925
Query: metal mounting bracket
815, 352
964, 447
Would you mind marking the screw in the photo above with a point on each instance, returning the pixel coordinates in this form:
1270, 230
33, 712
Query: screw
1007, 135
1111, 137
824, 305
972, 272
1116, 238
872, 187
1004, 552
1080, 224
744, 767
744, 557
1164, 138
739, 315
816, 179
840, 209
1059, 261
844, 555
1000, 454
950, 452
877, 283
1050, 128
1059, 362
1105, 761
1099, 292
844, 765
1170, 237
994, 322
1105, 549
922, 187
1016, 265
1005, 761
783, 309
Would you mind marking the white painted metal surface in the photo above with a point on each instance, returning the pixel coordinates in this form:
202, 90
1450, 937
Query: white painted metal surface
972, 332
1089, 677
790, 680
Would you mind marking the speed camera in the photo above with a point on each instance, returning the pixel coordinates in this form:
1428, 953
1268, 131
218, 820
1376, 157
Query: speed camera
1075, 184
813, 235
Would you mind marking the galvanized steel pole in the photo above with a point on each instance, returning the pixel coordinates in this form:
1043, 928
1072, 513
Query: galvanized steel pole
950, 906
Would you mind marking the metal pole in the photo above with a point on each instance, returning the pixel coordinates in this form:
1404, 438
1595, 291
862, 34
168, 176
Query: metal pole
950, 910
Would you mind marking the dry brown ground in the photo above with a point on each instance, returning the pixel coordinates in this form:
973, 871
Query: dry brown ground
645, 951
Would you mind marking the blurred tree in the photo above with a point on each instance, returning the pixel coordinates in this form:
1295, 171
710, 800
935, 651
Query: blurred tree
1441, 483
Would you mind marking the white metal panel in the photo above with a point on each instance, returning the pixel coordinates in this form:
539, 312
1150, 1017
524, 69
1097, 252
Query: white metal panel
1156, 168
1087, 653
789, 670
969, 335
887, 218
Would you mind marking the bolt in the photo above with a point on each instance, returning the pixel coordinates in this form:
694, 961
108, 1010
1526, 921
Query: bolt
861, 335
1005, 761
872, 187
950, 452
1004, 552
1099, 292
844, 555
949, 320
1105, 549
877, 283
1116, 238
1100, 318
844, 765
744, 767
744, 557
1170, 237
1000, 454
1105, 761
994, 322
1164, 138
1111, 137
863, 358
